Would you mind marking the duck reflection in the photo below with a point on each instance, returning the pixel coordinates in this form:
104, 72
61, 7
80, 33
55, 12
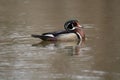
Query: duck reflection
72, 47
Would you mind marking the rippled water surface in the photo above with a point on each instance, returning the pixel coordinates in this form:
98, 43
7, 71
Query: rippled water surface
25, 58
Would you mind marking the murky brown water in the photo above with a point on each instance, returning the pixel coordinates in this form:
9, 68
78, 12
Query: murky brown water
25, 58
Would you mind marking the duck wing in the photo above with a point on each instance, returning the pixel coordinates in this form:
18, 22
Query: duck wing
50, 36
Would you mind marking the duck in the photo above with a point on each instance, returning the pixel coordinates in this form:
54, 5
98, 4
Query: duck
72, 31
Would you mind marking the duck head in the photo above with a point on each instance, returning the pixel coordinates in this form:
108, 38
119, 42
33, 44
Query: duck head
74, 26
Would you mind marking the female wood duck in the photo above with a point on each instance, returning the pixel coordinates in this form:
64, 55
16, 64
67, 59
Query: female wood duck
73, 31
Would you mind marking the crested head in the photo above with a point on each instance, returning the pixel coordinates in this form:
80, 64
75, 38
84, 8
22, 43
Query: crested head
71, 25
74, 26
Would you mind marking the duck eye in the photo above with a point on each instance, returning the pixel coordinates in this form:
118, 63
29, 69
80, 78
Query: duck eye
70, 26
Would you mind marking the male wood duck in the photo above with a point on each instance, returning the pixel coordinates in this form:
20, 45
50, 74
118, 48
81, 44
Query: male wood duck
73, 31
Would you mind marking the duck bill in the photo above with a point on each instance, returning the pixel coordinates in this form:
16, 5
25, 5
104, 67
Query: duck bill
79, 26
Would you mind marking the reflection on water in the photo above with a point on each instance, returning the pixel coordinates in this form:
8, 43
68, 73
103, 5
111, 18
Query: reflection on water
72, 46
25, 58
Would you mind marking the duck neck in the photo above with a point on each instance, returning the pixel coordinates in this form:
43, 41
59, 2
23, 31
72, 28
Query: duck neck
80, 33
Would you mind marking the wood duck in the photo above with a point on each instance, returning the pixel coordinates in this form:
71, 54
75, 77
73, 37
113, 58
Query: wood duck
73, 31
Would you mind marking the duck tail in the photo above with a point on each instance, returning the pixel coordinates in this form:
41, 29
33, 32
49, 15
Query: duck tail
36, 36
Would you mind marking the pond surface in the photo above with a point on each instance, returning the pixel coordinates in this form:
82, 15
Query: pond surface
25, 58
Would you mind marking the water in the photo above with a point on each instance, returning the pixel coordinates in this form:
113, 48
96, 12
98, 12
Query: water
25, 58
